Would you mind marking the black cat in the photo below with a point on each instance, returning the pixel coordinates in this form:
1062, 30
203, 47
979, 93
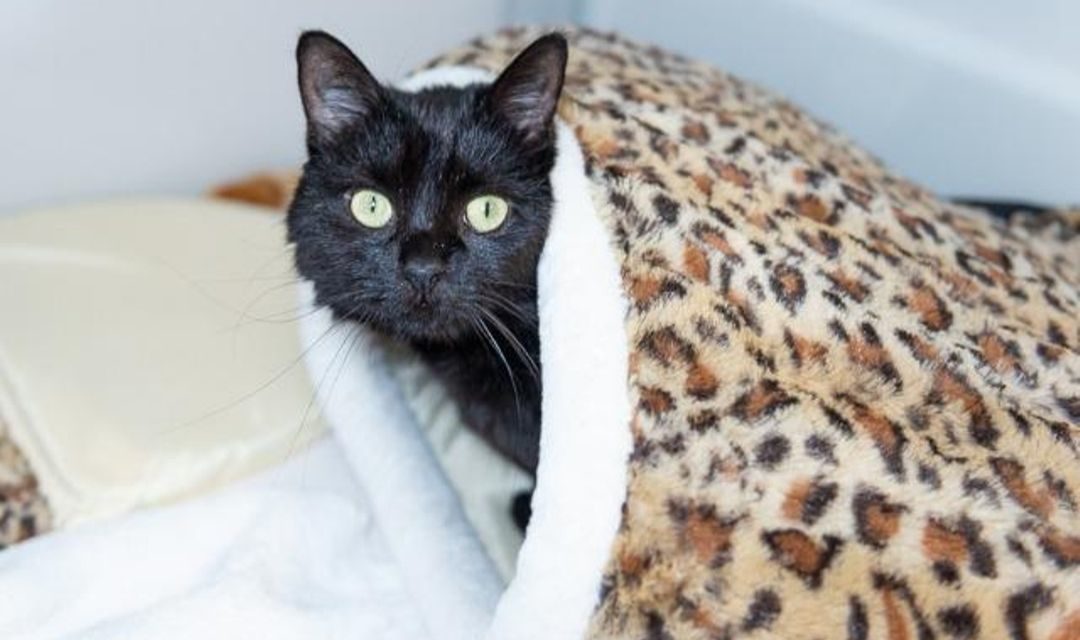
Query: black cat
422, 216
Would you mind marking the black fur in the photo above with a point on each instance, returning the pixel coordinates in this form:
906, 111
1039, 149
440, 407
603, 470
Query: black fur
430, 153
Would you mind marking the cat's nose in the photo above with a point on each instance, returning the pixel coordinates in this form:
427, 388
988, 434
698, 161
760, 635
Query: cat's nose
423, 274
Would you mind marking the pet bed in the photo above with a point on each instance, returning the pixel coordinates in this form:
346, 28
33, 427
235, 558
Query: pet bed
786, 392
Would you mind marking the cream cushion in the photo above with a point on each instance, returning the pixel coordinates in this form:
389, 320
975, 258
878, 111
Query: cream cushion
149, 352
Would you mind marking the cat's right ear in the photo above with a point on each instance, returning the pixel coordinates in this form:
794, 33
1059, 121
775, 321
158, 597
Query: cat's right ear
336, 88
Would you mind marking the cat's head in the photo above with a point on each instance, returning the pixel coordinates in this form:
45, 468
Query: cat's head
419, 212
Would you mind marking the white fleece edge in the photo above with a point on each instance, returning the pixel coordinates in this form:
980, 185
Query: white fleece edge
585, 437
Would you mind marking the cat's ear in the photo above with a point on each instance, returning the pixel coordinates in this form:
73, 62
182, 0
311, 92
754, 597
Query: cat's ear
337, 89
526, 93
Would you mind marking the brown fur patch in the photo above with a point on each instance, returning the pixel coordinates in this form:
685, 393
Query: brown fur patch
656, 401
811, 206
942, 543
764, 399
798, 552
696, 262
1011, 473
1069, 629
932, 311
701, 382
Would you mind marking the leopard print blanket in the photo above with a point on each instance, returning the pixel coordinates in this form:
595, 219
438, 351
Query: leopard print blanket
24, 511
856, 405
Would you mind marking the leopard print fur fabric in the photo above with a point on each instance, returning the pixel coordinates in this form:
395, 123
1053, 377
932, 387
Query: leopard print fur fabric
856, 405
24, 511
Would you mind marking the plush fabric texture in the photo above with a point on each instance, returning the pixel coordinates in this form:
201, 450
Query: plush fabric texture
24, 512
856, 405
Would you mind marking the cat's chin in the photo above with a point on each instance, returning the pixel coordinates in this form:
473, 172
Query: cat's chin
424, 327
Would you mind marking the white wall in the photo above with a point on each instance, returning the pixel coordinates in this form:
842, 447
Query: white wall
121, 96
972, 97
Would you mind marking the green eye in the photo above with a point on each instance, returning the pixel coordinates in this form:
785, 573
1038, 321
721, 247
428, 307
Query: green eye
486, 213
370, 208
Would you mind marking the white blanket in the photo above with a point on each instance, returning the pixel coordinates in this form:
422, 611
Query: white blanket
294, 553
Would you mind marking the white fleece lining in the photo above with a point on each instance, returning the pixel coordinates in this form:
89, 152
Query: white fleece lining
584, 444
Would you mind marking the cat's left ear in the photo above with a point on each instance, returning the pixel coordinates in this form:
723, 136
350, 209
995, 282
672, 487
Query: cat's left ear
526, 93
337, 89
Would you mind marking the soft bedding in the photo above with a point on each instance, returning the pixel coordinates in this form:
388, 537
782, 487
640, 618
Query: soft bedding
787, 393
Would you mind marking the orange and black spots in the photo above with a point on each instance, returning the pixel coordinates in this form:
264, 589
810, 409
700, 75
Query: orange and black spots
847, 284
701, 382
700, 617
702, 421
1012, 475
896, 597
812, 177
1055, 334
656, 401
763, 400
931, 309
703, 183
949, 545
960, 622
877, 519
596, 145
797, 552
995, 256
667, 347
860, 198
961, 288
886, 435
1061, 548
896, 623
952, 387
1049, 354
716, 240
695, 131
866, 350
789, 286
921, 349
633, 566
822, 242
702, 531
808, 499
803, 350
728, 172
646, 290
945, 548
696, 262
970, 265
1002, 355
1024, 604
738, 311
812, 207
916, 226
